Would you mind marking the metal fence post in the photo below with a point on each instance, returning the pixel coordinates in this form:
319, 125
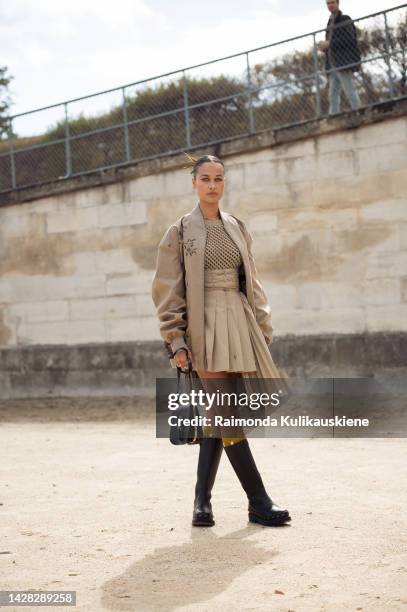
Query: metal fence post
387, 46
12, 158
68, 156
318, 106
250, 96
126, 126
186, 110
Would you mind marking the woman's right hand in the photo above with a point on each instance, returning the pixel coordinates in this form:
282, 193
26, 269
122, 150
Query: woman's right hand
181, 359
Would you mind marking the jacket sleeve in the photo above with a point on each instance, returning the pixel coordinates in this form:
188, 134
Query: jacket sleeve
168, 291
263, 311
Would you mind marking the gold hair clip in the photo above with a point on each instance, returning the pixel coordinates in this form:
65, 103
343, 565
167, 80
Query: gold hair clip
192, 161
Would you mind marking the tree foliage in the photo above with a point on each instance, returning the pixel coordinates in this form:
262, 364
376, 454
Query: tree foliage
5, 99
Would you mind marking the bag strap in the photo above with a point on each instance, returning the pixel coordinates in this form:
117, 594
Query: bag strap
187, 373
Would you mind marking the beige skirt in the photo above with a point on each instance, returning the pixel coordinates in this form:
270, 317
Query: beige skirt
234, 341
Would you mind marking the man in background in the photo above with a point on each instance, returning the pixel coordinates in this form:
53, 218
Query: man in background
342, 57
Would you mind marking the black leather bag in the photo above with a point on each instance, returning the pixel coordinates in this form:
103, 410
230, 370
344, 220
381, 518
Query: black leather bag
182, 433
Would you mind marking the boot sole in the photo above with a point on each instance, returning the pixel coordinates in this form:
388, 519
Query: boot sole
269, 522
203, 523
203, 520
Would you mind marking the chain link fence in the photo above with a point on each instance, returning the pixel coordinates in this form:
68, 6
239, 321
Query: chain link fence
279, 85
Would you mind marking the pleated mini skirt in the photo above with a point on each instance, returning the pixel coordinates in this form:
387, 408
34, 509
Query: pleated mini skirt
234, 341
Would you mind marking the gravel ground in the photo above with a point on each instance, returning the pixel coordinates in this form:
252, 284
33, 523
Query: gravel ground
92, 501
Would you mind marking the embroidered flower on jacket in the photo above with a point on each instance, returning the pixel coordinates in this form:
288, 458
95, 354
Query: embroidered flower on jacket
189, 246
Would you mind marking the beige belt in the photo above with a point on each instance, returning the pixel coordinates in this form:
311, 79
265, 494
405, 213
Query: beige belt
227, 279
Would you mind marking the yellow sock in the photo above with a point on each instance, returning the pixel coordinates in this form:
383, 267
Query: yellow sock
209, 433
229, 441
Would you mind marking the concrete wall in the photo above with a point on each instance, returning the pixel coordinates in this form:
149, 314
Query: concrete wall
328, 216
131, 368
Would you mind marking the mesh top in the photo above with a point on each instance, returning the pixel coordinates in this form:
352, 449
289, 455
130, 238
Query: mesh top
220, 250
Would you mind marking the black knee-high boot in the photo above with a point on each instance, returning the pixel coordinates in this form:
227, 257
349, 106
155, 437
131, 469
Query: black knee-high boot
261, 508
210, 452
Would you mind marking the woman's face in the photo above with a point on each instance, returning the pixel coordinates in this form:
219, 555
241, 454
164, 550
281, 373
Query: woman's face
209, 182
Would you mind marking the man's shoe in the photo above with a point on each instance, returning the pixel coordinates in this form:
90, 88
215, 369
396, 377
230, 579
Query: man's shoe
261, 507
210, 452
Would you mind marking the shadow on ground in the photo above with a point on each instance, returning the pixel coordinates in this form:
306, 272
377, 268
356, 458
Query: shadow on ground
190, 573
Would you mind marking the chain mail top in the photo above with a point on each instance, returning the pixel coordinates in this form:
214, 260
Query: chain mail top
220, 251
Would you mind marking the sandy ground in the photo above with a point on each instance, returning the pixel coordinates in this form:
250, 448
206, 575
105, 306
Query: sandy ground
91, 501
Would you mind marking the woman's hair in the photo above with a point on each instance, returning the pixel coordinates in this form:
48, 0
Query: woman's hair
195, 162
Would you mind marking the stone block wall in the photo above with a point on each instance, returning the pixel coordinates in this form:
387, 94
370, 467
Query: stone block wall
328, 215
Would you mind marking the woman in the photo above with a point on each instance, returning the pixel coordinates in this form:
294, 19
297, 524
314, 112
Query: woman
213, 312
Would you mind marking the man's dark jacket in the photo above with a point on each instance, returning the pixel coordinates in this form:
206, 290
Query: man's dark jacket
343, 48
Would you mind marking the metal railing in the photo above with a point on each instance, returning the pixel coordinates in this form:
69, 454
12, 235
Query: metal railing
274, 86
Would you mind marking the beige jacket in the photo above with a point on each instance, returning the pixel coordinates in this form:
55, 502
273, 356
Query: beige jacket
180, 301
